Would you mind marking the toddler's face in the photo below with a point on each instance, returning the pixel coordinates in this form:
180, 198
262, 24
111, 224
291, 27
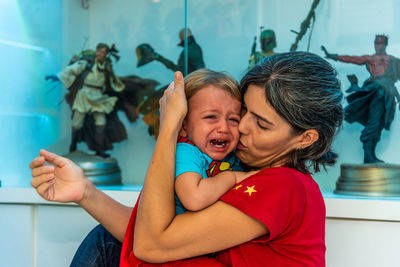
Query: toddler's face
212, 122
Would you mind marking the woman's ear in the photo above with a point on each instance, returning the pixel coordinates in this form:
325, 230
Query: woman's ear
307, 138
182, 131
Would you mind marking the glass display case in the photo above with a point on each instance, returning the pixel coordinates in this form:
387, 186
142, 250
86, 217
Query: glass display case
38, 38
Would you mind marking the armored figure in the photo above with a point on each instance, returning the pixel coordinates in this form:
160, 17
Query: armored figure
373, 105
145, 54
267, 43
149, 108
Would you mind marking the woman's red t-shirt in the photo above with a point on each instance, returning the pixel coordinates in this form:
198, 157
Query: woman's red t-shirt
290, 205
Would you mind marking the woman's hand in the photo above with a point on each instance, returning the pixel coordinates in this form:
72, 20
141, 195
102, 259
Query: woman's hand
62, 181
173, 104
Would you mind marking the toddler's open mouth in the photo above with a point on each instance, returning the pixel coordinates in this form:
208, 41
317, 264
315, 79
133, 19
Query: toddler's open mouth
219, 143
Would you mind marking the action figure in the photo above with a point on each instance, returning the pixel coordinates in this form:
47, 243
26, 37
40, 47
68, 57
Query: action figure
307, 23
95, 94
145, 54
373, 105
267, 43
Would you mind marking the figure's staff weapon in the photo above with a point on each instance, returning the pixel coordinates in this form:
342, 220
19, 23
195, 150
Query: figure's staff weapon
54, 86
304, 26
253, 48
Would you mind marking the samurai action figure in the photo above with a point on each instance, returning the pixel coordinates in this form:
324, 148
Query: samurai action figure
373, 105
267, 43
95, 94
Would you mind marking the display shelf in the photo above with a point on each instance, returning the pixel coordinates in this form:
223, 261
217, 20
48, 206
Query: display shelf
337, 206
125, 194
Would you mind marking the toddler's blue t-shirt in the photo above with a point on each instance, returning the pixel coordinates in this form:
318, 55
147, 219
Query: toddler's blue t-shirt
190, 159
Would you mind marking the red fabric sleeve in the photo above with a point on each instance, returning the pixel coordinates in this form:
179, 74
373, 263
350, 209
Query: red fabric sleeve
273, 196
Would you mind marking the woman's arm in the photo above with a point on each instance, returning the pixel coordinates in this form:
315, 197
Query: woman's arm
64, 181
159, 235
218, 227
113, 215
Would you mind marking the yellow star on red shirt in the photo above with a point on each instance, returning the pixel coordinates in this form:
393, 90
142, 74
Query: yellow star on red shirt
237, 187
250, 190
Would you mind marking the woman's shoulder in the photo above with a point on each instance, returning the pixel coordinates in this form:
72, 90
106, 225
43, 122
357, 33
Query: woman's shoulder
284, 173
284, 178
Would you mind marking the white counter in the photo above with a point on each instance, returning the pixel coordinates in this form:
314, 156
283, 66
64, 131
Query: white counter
360, 231
125, 194
363, 208
337, 206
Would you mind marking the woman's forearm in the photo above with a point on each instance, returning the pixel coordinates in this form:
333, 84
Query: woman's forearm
113, 215
156, 209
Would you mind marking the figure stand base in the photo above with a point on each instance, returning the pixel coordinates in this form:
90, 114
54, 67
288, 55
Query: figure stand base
369, 180
101, 171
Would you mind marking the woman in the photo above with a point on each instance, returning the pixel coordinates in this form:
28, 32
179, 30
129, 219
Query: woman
292, 110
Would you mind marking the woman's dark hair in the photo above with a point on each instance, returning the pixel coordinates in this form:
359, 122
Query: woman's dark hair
303, 89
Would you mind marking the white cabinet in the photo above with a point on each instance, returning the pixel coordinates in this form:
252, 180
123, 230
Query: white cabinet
362, 231
16, 240
362, 243
60, 230
34, 233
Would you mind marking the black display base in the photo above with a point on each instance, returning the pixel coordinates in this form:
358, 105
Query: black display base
101, 171
369, 180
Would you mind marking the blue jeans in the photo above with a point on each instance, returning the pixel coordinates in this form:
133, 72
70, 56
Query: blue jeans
99, 248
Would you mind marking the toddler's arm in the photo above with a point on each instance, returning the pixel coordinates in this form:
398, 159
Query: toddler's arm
197, 193
240, 176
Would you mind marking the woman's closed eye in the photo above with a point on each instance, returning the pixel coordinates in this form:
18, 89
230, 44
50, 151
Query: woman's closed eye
262, 124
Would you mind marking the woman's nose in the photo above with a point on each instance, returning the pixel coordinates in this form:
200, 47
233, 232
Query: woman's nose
242, 124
